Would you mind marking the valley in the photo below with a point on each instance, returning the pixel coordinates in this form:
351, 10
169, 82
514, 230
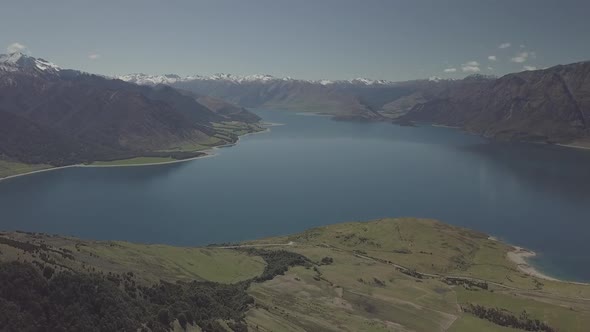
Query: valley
294, 166
546, 106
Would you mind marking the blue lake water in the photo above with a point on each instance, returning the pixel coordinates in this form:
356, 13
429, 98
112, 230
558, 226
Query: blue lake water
313, 171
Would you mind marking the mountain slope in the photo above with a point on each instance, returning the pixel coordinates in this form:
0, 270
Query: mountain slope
550, 105
56, 116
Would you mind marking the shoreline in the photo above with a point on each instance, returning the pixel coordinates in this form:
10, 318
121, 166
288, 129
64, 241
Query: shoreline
208, 153
574, 146
519, 256
444, 126
563, 145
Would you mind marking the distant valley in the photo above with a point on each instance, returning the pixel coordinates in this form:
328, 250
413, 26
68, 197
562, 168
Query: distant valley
550, 105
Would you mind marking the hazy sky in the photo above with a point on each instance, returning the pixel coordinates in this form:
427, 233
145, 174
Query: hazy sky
336, 39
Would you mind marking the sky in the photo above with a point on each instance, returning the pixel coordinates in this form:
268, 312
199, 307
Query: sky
317, 39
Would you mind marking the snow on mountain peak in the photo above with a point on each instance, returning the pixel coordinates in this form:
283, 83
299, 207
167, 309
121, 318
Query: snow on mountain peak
46, 65
18, 61
145, 79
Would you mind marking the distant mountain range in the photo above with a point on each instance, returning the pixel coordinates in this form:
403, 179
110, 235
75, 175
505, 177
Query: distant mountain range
60, 116
146, 79
550, 105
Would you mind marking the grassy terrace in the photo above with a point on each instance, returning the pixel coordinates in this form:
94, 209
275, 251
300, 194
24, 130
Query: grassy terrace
383, 275
134, 161
9, 168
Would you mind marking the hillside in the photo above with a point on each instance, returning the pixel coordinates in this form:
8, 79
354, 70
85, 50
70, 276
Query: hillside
55, 116
551, 105
383, 275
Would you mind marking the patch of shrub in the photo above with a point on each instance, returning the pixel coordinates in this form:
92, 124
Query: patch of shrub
327, 261
505, 318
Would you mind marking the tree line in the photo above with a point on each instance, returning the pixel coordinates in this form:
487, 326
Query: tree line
37, 298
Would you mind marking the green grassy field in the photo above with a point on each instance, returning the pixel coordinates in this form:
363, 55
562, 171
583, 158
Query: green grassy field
383, 275
364, 291
150, 262
196, 146
237, 128
225, 132
8, 168
133, 161
177, 263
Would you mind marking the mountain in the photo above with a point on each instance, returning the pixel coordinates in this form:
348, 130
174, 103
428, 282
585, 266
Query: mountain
147, 79
59, 116
550, 105
344, 99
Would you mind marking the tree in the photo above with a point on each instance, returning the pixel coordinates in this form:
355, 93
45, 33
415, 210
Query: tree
164, 317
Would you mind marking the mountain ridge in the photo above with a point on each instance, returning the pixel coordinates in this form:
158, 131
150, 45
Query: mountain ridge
546, 105
79, 117
141, 78
549, 105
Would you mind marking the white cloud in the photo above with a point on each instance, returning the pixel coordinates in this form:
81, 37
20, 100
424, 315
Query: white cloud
520, 57
470, 67
450, 70
504, 45
490, 68
492, 58
16, 47
94, 56
529, 68
522, 45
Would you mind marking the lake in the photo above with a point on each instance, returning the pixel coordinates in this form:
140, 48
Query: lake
313, 171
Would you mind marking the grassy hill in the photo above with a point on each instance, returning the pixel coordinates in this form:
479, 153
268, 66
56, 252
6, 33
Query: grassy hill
382, 275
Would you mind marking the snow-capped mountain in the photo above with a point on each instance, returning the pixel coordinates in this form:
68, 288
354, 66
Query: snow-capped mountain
146, 79
60, 116
21, 62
